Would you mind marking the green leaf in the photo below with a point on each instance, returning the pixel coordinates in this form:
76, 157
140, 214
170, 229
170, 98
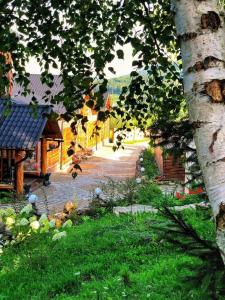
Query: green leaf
90, 103
101, 116
77, 167
111, 69
70, 152
74, 175
120, 54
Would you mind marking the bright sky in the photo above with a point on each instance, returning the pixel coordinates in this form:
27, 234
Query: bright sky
122, 67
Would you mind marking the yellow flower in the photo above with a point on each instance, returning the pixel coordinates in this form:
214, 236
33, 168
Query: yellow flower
9, 221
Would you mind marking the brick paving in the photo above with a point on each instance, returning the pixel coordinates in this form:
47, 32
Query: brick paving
104, 163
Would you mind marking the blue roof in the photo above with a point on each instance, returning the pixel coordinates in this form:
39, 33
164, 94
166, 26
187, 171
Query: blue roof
21, 128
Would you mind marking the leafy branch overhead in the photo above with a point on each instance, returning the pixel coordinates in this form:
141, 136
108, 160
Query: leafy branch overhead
80, 38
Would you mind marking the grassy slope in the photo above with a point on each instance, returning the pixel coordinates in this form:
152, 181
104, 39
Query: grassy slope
116, 84
111, 258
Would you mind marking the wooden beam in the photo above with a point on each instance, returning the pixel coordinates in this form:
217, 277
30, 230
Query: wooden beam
6, 186
44, 158
19, 172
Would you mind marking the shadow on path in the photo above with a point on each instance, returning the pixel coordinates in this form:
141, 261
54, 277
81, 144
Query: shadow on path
104, 163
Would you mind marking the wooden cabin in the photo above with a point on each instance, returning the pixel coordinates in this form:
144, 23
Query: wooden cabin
21, 131
58, 159
170, 169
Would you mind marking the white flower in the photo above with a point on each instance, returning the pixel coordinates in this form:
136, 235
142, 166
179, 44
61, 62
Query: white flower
68, 223
9, 221
142, 169
10, 212
141, 159
58, 235
23, 222
35, 225
43, 219
27, 209
52, 223
33, 218
2, 212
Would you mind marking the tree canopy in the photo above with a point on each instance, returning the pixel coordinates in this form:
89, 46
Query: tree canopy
81, 37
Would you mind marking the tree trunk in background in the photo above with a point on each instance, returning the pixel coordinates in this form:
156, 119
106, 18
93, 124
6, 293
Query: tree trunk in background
200, 29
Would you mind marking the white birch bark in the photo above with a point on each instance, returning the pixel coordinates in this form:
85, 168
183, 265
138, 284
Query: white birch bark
203, 56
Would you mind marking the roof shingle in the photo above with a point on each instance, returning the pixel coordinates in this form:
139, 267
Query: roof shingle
38, 90
21, 128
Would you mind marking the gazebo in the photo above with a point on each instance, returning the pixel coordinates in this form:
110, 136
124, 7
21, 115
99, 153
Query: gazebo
21, 129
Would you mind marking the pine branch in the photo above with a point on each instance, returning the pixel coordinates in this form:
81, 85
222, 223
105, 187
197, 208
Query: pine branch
186, 229
210, 275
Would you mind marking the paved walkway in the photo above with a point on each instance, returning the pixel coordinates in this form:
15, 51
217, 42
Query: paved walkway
104, 163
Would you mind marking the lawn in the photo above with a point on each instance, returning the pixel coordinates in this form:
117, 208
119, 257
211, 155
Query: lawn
136, 141
108, 258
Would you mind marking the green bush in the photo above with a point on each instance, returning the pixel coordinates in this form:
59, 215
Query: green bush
7, 197
189, 199
151, 169
149, 194
114, 193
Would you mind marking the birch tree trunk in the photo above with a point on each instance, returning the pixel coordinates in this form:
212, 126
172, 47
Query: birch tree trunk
201, 32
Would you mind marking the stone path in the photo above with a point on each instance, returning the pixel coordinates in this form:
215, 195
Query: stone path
104, 163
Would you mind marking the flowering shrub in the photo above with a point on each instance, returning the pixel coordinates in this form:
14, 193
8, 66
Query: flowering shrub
16, 227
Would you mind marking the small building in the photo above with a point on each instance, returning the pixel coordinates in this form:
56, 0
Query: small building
22, 130
170, 168
58, 158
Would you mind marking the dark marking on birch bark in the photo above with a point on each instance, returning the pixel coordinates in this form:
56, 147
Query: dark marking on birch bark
215, 89
214, 139
198, 124
187, 36
211, 61
208, 62
198, 66
215, 161
220, 218
195, 87
211, 20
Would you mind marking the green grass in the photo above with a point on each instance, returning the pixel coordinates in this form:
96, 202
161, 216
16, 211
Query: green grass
136, 141
7, 197
150, 194
110, 258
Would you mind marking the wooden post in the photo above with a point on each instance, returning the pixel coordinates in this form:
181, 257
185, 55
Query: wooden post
19, 172
44, 159
61, 149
